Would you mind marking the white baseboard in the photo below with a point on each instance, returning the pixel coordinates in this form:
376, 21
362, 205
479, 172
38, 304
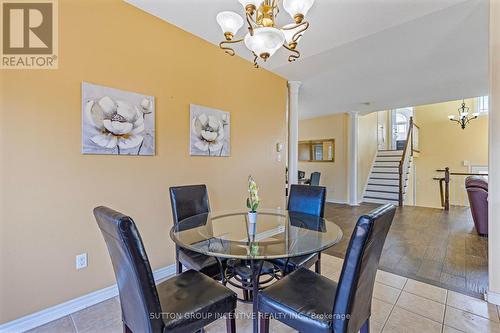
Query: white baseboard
60, 310
492, 297
344, 202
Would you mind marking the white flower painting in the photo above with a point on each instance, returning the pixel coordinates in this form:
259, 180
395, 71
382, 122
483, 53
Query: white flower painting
210, 132
117, 122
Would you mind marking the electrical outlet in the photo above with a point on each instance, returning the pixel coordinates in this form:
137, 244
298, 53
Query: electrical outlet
81, 261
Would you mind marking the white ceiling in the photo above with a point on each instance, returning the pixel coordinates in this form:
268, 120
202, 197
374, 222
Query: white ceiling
366, 55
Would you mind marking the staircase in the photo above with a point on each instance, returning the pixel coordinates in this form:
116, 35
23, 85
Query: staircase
383, 184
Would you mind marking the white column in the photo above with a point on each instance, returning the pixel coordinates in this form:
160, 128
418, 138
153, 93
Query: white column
353, 158
493, 294
293, 131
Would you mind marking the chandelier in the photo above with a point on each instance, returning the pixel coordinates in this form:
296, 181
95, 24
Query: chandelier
463, 116
263, 38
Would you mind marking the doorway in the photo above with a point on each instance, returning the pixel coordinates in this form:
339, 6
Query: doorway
400, 122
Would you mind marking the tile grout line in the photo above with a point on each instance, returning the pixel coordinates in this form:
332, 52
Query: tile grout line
498, 312
418, 314
388, 285
73, 321
393, 306
445, 308
472, 313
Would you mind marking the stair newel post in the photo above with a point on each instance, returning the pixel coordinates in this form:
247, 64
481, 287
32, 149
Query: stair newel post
447, 188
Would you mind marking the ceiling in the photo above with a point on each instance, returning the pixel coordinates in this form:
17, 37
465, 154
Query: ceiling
366, 55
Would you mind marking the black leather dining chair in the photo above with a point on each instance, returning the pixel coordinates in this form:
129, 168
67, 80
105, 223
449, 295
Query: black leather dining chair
188, 201
315, 176
307, 200
309, 302
183, 303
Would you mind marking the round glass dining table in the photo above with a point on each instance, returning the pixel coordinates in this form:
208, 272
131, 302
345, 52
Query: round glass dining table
277, 234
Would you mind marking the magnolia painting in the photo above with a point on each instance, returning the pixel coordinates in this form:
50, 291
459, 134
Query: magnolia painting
210, 130
117, 122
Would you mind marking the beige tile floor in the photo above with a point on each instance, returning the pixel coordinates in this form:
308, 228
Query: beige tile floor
399, 305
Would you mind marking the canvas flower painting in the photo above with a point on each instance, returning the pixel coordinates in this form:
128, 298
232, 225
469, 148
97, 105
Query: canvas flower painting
117, 122
210, 132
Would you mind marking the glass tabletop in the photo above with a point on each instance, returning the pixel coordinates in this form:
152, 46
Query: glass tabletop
279, 234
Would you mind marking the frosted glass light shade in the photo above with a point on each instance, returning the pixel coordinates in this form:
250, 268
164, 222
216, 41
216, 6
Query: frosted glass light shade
245, 3
290, 33
230, 22
295, 7
265, 41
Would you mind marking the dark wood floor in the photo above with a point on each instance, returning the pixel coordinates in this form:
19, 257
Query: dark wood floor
426, 244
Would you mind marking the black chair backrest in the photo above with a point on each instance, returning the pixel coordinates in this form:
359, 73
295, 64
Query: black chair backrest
188, 201
355, 288
307, 199
141, 309
315, 178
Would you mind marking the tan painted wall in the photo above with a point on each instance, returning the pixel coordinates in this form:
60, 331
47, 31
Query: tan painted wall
333, 175
367, 148
48, 189
443, 143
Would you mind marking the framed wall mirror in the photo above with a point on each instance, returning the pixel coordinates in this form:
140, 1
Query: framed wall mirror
317, 150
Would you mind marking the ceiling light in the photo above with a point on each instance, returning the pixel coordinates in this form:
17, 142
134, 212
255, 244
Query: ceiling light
265, 41
297, 8
230, 23
264, 38
463, 116
250, 4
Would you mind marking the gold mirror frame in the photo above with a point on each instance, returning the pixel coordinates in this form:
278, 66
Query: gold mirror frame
311, 144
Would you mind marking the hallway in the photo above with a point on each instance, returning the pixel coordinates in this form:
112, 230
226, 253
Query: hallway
426, 244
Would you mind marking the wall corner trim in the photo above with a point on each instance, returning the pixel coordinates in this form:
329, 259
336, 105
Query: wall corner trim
76, 304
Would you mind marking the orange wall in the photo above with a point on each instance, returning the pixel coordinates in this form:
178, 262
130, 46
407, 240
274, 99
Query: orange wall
444, 144
333, 174
48, 189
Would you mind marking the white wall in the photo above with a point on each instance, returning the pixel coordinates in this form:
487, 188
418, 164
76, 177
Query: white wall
494, 162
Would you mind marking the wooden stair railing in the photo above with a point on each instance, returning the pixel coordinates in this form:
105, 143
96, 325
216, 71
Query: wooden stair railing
409, 142
409, 146
445, 194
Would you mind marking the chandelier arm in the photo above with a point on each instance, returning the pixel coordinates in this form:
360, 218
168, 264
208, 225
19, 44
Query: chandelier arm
305, 26
228, 49
277, 8
295, 26
250, 20
295, 54
298, 33
255, 57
